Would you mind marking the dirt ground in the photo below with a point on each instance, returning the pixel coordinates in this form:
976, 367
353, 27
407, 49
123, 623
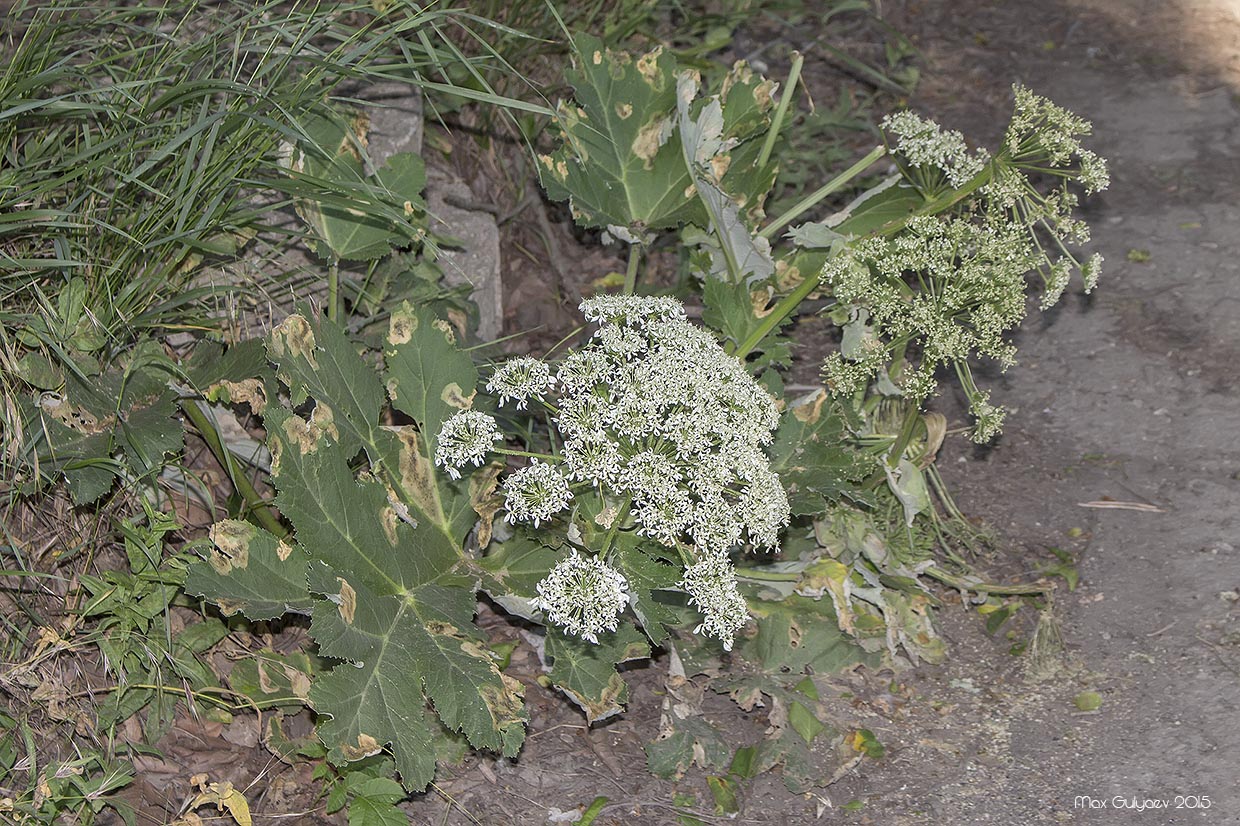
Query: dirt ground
1127, 399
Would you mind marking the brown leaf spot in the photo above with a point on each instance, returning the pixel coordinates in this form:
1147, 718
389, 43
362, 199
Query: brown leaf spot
265, 684
445, 328
366, 746
455, 396
323, 420
416, 475
649, 138
301, 434
348, 601
232, 539
483, 500
402, 326
283, 549
812, 410
248, 391
442, 629
503, 701
763, 94
719, 165
624, 110
387, 518
597, 57
761, 302
299, 681
295, 337
648, 65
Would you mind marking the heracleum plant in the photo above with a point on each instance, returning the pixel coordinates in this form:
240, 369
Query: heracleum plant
953, 284
657, 463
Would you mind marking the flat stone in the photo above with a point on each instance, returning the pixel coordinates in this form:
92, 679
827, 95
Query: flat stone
476, 258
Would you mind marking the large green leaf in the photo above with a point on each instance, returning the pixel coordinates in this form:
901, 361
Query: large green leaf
587, 672
407, 649
389, 585
615, 166
811, 457
360, 228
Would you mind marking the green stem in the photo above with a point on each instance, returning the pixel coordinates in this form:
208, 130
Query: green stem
333, 290
781, 311
785, 100
506, 452
256, 504
986, 587
907, 429
608, 540
814, 198
630, 274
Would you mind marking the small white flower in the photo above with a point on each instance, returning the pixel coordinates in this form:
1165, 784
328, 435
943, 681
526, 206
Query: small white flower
520, 379
711, 585
466, 437
1090, 272
631, 310
535, 493
583, 595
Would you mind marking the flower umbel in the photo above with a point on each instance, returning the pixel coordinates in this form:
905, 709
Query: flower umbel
519, 380
711, 585
583, 595
535, 493
466, 437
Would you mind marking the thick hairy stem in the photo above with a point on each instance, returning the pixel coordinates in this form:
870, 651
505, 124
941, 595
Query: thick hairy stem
630, 274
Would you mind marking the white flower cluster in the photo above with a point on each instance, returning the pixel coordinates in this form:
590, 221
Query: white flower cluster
535, 493
924, 143
466, 437
1042, 135
711, 585
652, 409
519, 380
583, 595
952, 286
653, 413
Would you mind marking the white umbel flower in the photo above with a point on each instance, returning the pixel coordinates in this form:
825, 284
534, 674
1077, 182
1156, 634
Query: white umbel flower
519, 380
535, 493
583, 595
466, 437
924, 143
711, 586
